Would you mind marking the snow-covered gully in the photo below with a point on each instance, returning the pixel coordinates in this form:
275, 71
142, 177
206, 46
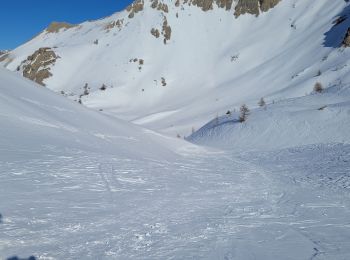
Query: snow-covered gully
213, 205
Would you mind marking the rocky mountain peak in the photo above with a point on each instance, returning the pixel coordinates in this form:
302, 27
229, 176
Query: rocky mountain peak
254, 7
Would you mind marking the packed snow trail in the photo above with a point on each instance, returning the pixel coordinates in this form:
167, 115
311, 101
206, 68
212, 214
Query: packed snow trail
218, 205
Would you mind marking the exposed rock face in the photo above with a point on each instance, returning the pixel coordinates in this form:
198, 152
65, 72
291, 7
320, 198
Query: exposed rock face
159, 6
242, 7
227, 4
254, 6
155, 32
55, 27
166, 30
205, 5
37, 66
119, 23
247, 6
346, 41
266, 5
135, 7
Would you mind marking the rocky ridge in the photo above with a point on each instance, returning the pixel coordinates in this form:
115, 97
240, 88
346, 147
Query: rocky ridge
37, 66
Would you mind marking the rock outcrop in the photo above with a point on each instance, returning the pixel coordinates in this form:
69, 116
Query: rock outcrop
159, 6
135, 7
346, 41
205, 5
55, 27
155, 32
118, 24
254, 6
166, 30
227, 4
37, 66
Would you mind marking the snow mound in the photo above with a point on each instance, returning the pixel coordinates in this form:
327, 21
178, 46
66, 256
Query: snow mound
312, 119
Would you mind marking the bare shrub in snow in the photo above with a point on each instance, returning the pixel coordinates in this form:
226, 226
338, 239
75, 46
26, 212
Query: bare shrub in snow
234, 57
163, 82
86, 90
318, 88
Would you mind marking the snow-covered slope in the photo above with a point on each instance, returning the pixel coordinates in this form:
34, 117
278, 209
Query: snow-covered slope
78, 184
318, 118
34, 120
210, 62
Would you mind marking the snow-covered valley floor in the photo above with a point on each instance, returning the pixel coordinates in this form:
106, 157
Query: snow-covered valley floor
77, 181
286, 204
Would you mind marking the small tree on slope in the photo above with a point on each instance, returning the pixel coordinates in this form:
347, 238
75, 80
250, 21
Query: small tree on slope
262, 102
244, 112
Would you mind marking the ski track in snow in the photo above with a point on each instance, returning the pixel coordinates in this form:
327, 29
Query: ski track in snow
267, 205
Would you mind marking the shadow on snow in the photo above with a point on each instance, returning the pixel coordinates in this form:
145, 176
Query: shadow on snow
341, 23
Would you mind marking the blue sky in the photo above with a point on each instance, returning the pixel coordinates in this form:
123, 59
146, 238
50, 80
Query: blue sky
20, 20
